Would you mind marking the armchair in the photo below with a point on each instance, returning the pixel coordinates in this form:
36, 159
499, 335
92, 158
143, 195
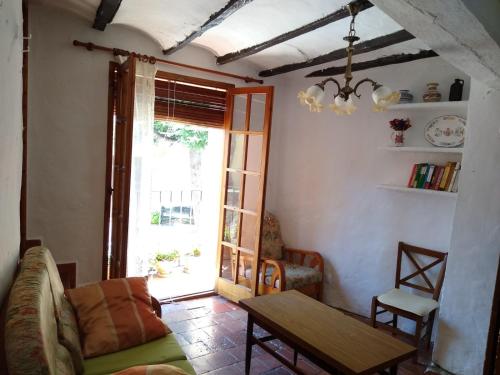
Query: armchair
284, 268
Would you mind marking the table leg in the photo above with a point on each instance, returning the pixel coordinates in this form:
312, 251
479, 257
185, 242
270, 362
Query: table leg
295, 355
248, 352
393, 370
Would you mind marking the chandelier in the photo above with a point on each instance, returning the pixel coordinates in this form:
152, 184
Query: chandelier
343, 104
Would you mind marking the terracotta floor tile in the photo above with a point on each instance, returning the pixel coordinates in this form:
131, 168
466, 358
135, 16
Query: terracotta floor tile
195, 336
195, 350
219, 343
223, 307
217, 331
178, 316
206, 321
179, 327
212, 362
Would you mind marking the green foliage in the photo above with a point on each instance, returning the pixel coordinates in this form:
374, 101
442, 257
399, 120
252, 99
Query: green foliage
196, 252
155, 217
169, 257
189, 136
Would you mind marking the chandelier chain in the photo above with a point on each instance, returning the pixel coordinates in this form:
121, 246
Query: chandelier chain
352, 30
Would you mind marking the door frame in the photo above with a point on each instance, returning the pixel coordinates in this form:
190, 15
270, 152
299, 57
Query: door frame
231, 288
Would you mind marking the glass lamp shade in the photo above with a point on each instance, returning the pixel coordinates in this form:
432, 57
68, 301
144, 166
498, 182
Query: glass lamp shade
383, 96
312, 97
342, 107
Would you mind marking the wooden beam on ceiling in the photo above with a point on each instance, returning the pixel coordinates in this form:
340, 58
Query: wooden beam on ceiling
382, 61
105, 13
363, 47
332, 17
214, 20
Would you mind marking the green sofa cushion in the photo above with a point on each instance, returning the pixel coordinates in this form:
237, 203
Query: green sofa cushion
154, 352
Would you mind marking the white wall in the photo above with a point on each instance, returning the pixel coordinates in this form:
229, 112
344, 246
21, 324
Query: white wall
11, 32
322, 177
475, 246
67, 136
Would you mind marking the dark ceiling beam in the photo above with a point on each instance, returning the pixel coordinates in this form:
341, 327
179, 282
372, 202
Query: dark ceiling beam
332, 17
383, 61
363, 47
214, 20
105, 13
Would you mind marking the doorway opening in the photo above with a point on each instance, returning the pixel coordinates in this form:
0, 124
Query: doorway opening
178, 245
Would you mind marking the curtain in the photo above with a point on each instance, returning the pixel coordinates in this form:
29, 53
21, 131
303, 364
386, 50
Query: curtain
138, 252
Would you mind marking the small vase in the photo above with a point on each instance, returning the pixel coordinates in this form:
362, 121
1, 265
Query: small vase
406, 96
398, 138
456, 90
432, 94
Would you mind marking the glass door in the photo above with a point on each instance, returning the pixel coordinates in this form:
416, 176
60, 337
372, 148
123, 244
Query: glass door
247, 133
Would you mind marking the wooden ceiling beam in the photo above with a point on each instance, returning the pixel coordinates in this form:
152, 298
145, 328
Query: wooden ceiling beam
214, 20
363, 47
332, 17
383, 61
105, 13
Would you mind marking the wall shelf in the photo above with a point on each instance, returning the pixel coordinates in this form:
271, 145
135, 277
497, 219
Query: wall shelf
443, 150
431, 105
418, 191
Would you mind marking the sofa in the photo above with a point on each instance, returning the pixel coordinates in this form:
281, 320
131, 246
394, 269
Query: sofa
32, 343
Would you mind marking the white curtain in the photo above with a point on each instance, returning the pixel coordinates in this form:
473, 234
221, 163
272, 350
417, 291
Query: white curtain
141, 176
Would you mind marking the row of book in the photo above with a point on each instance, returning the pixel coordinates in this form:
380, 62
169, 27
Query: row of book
435, 177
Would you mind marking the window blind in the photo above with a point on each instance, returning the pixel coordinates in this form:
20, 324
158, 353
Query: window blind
189, 102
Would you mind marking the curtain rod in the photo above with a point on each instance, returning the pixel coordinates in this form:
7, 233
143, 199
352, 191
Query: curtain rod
121, 52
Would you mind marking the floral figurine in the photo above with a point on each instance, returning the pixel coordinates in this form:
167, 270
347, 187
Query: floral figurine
399, 126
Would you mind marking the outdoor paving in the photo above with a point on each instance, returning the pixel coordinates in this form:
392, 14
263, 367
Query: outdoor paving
212, 333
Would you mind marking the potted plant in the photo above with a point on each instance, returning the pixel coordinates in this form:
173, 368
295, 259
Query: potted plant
166, 262
192, 260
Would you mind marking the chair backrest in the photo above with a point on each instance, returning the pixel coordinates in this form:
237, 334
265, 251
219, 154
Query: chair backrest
412, 252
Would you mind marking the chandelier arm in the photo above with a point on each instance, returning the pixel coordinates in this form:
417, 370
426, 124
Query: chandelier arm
374, 84
330, 79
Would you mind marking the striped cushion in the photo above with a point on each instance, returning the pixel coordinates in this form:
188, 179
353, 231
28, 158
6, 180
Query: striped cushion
153, 370
114, 315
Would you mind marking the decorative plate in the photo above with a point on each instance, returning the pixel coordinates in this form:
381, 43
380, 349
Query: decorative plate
446, 131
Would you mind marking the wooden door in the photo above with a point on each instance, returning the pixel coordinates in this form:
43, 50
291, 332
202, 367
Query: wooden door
247, 128
119, 160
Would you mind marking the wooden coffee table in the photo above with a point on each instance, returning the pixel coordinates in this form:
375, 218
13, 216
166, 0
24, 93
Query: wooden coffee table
332, 340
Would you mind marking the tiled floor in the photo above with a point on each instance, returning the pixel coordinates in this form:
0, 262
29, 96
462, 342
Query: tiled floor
212, 333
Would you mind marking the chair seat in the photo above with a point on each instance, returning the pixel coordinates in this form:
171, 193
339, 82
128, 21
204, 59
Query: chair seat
409, 302
296, 276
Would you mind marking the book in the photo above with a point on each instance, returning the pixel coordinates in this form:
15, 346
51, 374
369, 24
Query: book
454, 189
417, 175
428, 177
446, 172
439, 177
421, 177
412, 175
450, 175
435, 176
453, 177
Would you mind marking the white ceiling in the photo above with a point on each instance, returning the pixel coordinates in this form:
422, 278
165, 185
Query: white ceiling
170, 21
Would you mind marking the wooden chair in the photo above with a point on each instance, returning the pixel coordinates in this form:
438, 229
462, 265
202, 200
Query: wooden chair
283, 268
408, 305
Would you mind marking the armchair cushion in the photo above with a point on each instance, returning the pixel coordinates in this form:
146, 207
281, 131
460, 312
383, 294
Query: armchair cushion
409, 302
272, 244
296, 276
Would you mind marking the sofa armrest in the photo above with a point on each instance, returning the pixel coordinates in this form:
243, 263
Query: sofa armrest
156, 306
307, 258
278, 273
